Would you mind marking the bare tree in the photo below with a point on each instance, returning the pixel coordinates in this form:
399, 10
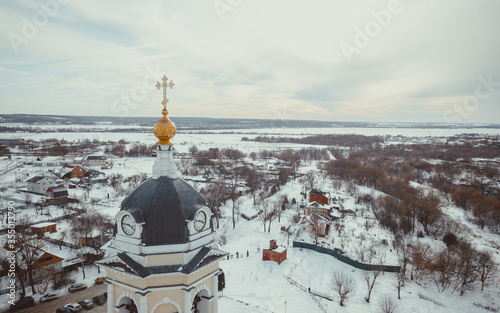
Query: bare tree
214, 195
252, 180
309, 180
404, 251
28, 199
466, 268
29, 247
400, 279
486, 267
370, 278
387, 304
317, 230
275, 208
287, 231
420, 258
442, 269
233, 187
262, 208
343, 284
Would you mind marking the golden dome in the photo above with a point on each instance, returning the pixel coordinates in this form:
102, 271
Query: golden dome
164, 129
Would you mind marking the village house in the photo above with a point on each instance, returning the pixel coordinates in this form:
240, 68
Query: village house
45, 264
42, 228
39, 183
13, 195
54, 161
274, 253
320, 196
316, 208
57, 192
95, 160
71, 171
315, 224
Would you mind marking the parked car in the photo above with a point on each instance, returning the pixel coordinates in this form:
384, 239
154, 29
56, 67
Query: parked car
74, 307
63, 310
22, 303
49, 297
99, 299
86, 304
76, 287
100, 280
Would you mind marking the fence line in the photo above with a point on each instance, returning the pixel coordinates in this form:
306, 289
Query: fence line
421, 296
316, 293
318, 303
310, 292
346, 259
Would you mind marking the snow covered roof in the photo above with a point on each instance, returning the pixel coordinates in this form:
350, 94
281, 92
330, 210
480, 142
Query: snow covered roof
58, 191
315, 204
313, 219
280, 249
96, 157
317, 191
44, 224
38, 178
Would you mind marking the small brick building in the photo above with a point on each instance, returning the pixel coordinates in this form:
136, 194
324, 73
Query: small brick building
274, 253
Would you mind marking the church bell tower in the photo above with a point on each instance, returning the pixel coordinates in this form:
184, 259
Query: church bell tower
163, 257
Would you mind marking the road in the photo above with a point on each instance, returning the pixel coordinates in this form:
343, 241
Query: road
51, 307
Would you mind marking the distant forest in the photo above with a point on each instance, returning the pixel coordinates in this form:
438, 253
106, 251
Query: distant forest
202, 123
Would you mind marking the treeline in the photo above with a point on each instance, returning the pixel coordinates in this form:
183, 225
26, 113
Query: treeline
296, 156
458, 266
350, 140
93, 129
135, 150
472, 186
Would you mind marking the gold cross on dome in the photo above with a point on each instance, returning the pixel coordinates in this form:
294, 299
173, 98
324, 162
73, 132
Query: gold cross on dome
165, 85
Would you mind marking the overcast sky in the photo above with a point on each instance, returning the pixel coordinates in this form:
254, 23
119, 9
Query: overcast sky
382, 61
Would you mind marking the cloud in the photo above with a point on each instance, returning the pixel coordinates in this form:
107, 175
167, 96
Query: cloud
264, 59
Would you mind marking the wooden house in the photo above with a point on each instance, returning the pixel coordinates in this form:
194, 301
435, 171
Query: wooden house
316, 208
39, 183
45, 265
95, 160
315, 224
42, 228
57, 192
69, 171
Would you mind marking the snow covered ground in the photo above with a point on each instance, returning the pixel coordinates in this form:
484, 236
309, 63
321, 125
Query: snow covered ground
253, 285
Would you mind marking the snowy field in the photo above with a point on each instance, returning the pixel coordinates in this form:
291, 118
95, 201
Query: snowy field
255, 286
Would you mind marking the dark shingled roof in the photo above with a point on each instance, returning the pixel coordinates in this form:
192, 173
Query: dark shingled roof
316, 191
96, 157
164, 204
59, 191
36, 179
